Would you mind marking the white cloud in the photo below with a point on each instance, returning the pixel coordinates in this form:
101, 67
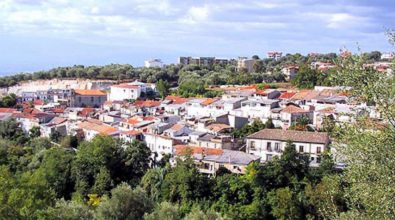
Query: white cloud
196, 15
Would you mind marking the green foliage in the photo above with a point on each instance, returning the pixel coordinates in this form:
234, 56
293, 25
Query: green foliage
284, 204
8, 101
163, 88
247, 129
307, 78
10, 130
125, 203
184, 183
368, 154
34, 132
67, 210
164, 211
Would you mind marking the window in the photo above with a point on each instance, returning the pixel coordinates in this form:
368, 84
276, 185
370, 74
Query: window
269, 157
277, 147
252, 145
318, 159
269, 146
301, 148
79, 99
318, 150
92, 99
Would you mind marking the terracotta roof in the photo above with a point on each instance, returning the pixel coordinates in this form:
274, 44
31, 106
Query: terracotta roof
217, 127
38, 102
287, 95
301, 95
149, 118
184, 149
132, 133
98, 127
177, 127
86, 111
133, 120
328, 110
89, 92
7, 110
58, 110
126, 86
57, 120
209, 101
295, 136
177, 99
293, 109
146, 103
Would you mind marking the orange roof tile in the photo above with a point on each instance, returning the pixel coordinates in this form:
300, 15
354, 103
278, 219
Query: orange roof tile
100, 128
126, 86
287, 95
91, 92
217, 127
184, 149
209, 101
146, 103
177, 99
293, 109
7, 110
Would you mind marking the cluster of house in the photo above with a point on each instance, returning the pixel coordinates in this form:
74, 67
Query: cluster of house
201, 126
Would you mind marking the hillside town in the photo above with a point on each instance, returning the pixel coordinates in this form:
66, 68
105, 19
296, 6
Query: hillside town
205, 126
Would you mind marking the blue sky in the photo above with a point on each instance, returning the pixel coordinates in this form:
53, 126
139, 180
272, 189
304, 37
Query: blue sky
41, 34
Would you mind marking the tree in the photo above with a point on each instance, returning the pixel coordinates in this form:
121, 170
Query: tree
8, 101
165, 211
152, 182
10, 130
67, 210
184, 183
198, 214
56, 170
125, 203
284, 204
269, 123
163, 88
305, 78
368, 154
34, 132
55, 136
136, 161
327, 197
91, 157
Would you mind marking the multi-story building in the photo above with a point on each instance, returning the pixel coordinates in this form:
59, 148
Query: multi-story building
124, 91
274, 55
88, 98
268, 143
290, 71
245, 64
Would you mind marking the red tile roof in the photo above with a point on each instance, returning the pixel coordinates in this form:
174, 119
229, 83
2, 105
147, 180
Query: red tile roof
287, 95
38, 102
91, 92
182, 150
98, 127
7, 110
293, 109
177, 99
295, 136
126, 86
146, 103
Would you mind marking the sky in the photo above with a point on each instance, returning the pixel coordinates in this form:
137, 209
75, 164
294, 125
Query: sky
42, 34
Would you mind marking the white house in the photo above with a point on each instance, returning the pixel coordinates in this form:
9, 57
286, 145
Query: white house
268, 143
124, 91
159, 144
